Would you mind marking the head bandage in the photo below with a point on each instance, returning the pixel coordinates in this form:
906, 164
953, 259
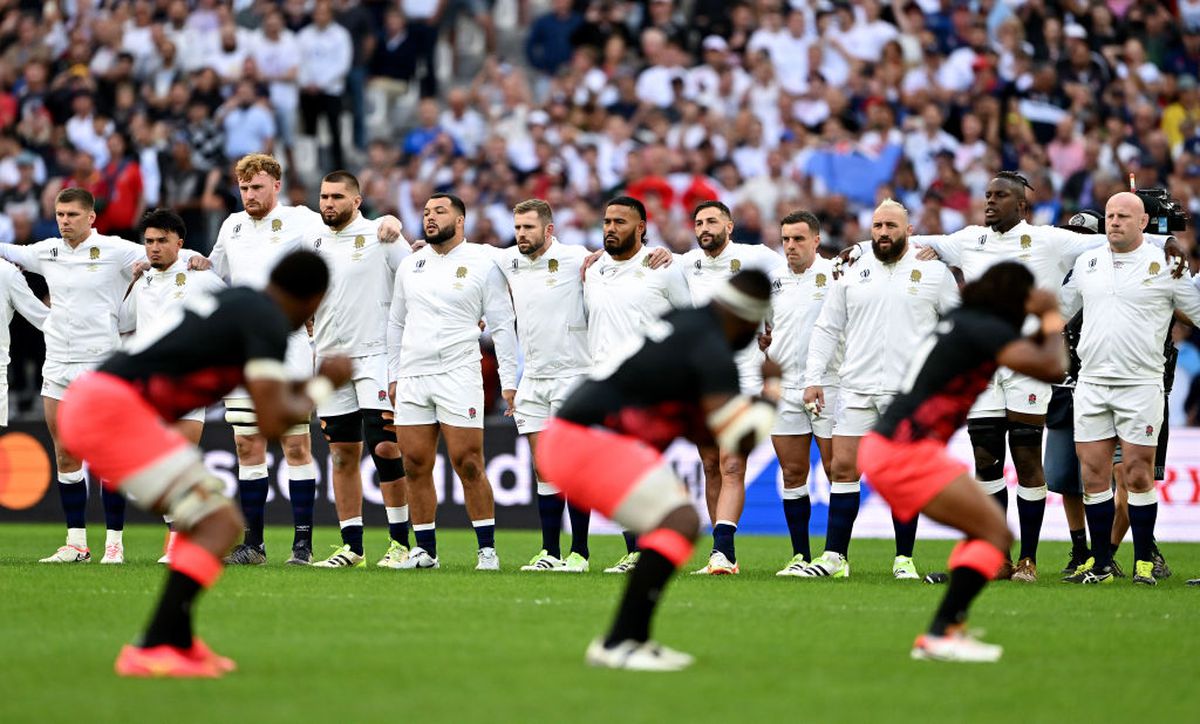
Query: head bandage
741, 304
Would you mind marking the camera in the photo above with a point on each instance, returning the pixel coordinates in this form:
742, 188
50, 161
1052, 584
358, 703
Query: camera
1166, 214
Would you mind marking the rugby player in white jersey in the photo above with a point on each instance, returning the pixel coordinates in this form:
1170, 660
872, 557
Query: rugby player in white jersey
624, 293
155, 302
1014, 406
352, 322
882, 310
87, 275
248, 246
547, 289
798, 292
1128, 296
704, 268
15, 296
441, 293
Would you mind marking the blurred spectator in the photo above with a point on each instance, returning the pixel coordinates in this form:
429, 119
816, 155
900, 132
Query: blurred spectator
121, 178
248, 123
277, 55
422, 17
360, 24
548, 46
328, 52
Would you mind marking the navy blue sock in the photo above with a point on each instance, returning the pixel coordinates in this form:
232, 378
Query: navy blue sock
550, 511
1001, 497
797, 512
906, 536
427, 539
1079, 546
1141, 522
1030, 514
114, 509
581, 520
485, 535
723, 533
630, 541
1100, 522
253, 495
843, 510
399, 532
352, 535
304, 498
74, 502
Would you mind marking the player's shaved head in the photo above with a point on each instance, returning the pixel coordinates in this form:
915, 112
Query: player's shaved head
1124, 219
889, 231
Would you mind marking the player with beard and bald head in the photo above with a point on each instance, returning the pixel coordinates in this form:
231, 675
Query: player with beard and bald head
880, 310
441, 293
1014, 407
704, 269
624, 294
352, 322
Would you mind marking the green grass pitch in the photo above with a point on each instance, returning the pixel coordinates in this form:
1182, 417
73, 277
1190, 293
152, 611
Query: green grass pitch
455, 645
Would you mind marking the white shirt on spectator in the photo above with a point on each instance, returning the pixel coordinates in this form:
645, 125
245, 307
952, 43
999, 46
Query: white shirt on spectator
327, 56
276, 58
922, 149
654, 85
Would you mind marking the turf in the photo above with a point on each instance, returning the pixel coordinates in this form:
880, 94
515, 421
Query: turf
456, 645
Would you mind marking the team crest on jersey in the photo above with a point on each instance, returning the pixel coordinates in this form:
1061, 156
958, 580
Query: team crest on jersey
1026, 241
360, 242
276, 225
461, 272
1155, 268
94, 252
552, 266
915, 276
180, 279
735, 265
822, 280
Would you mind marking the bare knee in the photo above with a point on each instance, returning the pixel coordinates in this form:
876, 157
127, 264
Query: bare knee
684, 521
297, 450
844, 470
343, 460
469, 467
794, 475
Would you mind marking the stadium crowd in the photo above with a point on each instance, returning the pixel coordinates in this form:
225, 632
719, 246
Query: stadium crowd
765, 105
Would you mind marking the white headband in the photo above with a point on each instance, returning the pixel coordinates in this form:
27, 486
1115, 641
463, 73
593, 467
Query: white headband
741, 304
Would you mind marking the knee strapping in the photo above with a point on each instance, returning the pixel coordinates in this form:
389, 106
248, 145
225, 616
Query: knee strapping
343, 428
1026, 436
987, 439
377, 431
239, 413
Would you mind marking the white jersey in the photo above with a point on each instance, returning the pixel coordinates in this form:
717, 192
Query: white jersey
551, 320
433, 325
1128, 301
154, 305
796, 302
1048, 251
87, 284
882, 312
623, 298
16, 295
352, 318
705, 273
248, 249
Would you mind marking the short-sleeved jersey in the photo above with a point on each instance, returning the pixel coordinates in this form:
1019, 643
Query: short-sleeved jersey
205, 355
948, 373
654, 394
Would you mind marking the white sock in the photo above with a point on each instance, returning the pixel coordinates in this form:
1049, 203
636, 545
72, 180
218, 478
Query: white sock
77, 537
71, 478
397, 515
113, 536
794, 493
546, 489
1096, 498
351, 521
991, 487
1150, 497
478, 523
851, 487
1038, 493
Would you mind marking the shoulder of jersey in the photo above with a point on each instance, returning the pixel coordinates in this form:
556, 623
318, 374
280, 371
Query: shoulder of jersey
1090, 254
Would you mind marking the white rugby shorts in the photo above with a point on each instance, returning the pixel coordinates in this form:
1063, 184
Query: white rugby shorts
857, 413
538, 399
453, 397
794, 419
1133, 413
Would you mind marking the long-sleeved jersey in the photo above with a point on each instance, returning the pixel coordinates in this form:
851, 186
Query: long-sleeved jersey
353, 317
87, 284
247, 249
796, 302
551, 320
15, 295
623, 298
1127, 300
882, 312
433, 325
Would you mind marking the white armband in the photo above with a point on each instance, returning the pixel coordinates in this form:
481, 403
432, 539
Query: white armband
741, 416
319, 389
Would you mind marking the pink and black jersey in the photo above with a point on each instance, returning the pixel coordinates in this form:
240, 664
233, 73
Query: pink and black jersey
954, 366
204, 356
654, 394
